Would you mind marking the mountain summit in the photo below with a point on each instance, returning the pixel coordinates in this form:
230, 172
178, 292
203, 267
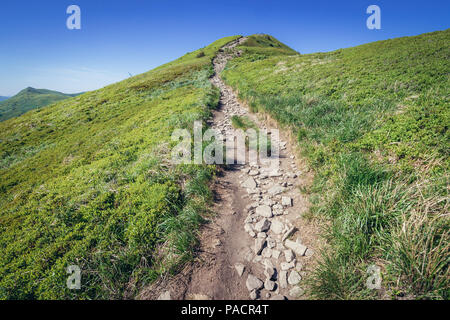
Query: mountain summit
29, 99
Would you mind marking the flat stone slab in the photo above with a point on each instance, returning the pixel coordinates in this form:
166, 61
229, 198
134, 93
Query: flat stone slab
286, 201
277, 226
289, 255
262, 225
264, 211
276, 189
259, 245
269, 285
249, 183
294, 278
296, 292
253, 283
298, 248
239, 268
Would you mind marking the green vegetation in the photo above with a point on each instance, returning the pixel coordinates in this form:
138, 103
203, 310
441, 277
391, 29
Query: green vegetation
88, 181
245, 123
373, 123
2, 98
29, 99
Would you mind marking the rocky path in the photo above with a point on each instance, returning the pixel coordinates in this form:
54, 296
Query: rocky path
257, 246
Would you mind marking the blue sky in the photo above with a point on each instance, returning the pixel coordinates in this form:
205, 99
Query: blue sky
134, 36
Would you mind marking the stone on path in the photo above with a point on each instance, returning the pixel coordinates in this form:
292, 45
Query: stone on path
275, 254
275, 173
283, 279
253, 295
288, 233
287, 265
264, 211
271, 243
239, 268
294, 278
296, 292
276, 189
277, 226
269, 270
286, 201
259, 245
289, 255
165, 296
253, 283
269, 285
309, 252
262, 225
298, 248
266, 252
262, 235
249, 183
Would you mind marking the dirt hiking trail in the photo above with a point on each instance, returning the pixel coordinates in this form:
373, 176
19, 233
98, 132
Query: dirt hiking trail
257, 246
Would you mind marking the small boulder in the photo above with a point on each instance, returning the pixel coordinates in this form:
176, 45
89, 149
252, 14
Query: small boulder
286, 201
277, 226
294, 278
259, 245
262, 225
289, 255
269, 285
239, 268
298, 248
249, 183
253, 283
264, 211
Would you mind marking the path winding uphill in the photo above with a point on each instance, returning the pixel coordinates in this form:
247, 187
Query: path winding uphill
257, 246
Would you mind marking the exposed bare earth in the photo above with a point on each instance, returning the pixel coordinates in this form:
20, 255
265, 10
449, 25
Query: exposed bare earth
249, 198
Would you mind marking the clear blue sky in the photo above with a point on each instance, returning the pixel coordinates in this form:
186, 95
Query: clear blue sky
117, 37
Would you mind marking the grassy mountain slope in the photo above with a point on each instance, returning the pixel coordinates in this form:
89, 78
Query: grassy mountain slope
29, 99
2, 98
373, 122
87, 181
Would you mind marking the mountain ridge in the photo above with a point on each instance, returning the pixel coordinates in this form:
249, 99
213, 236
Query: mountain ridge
29, 99
88, 180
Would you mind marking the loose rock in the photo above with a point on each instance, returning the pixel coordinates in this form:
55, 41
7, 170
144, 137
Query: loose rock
269, 285
286, 201
259, 245
294, 278
239, 268
296, 292
262, 225
264, 211
289, 255
298, 248
249, 183
283, 279
253, 283
277, 226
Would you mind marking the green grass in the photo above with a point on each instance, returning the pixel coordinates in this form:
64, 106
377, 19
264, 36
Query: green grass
88, 181
244, 123
372, 121
29, 99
